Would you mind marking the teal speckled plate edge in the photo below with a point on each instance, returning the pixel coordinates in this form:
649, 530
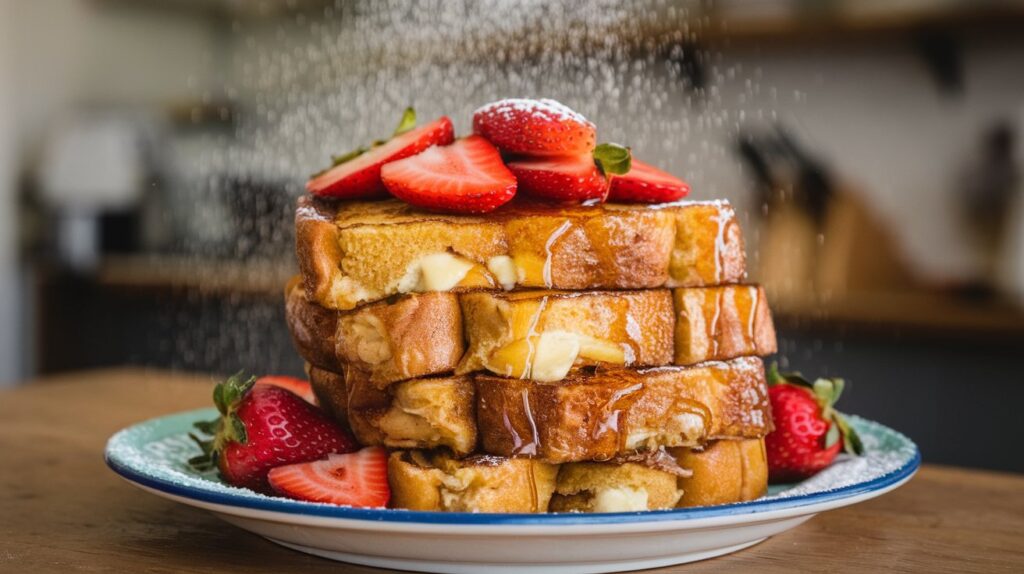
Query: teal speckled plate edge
153, 454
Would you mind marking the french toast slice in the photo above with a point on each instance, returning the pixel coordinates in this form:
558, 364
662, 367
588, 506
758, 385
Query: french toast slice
609, 487
424, 480
596, 415
415, 336
422, 413
354, 252
719, 323
723, 472
540, 335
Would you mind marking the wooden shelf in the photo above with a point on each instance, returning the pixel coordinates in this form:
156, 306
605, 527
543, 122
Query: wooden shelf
201, 275
916, 313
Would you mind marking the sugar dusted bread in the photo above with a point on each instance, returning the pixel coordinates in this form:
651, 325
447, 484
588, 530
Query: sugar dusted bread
534, 334
422, 413
355, 252
435, 481
598, 415
540, 335
719, 323
723, 472
415, 336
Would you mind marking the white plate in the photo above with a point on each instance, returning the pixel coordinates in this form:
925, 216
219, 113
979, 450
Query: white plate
153, 454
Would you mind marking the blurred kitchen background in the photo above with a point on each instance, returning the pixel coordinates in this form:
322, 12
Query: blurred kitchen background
151, 152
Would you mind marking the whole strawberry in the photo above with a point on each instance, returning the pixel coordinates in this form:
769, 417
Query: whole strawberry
809, 432
263, 426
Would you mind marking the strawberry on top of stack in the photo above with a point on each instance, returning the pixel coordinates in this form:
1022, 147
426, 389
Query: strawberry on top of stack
484, 333
537, 147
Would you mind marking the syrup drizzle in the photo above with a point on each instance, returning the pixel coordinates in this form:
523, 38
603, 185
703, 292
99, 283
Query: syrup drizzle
532, 337
529, 449
721, 219
754, 302
566, 225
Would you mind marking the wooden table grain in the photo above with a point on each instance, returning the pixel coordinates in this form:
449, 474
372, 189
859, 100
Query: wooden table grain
62, 510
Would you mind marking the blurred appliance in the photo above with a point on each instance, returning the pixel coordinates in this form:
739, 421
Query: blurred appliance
818, 237
92, 169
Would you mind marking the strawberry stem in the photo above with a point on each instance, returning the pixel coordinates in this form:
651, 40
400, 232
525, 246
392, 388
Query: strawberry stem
613, 159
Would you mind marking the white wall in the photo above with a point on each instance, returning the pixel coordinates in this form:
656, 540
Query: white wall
10, 317
59, 56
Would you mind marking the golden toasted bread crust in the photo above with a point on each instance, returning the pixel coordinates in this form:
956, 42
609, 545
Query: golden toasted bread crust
724, 472
597, 416
720, 323
533, 334
313, 328
708, 248
507, 332
416, 336
355, 252
422, 413
604, 487
435, 481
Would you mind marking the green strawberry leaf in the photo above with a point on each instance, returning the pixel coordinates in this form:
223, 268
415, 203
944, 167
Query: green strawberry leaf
795, 378
851, 440
833, 435
218, 398
207, 427
407, 122
238, 429
337, 160
613, 159
825, 391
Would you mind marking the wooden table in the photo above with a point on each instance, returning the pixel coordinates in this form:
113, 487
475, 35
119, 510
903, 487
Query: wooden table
62, 510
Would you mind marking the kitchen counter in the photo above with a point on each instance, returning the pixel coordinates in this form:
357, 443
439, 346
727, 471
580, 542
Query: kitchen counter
62, 510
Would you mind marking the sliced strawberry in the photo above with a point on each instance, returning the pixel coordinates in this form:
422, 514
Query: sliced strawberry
535, 127
359, 176
357, 479
465, 177
647, 184
572, 178
297, 386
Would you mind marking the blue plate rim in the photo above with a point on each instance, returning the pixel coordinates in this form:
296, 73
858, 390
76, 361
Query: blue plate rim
295, 507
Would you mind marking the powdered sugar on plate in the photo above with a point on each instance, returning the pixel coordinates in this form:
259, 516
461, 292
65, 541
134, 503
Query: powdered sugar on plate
159, 449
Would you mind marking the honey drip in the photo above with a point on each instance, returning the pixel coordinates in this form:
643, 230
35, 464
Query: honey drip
549, 245
533, 486
530, 448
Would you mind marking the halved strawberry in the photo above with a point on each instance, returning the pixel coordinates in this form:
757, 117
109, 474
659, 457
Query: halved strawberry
357, 175
572, 178
356, 479
647, 184
535, 127
466, 177
297, 386
261, 427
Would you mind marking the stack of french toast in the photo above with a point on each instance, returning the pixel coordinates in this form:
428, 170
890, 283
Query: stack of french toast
540, 357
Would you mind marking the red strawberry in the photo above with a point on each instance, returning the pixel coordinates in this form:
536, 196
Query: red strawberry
297, 386
357, 174
535, 128
262, 427
572, 178
647, 184
808, 433
466, 177
356, 479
